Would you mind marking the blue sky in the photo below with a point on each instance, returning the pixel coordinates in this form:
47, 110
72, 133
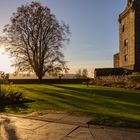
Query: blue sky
93, 25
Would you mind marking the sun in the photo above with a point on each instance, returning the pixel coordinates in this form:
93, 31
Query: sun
5, 61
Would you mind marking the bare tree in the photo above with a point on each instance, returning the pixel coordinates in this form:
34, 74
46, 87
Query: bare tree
85, 73
79, 74
35, 39
82, 73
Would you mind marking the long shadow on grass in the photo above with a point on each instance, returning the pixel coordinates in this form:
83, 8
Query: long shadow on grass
121, 95
88, 94
91, 103
104, 104
106, 99
81, 99
91, 108
63, 98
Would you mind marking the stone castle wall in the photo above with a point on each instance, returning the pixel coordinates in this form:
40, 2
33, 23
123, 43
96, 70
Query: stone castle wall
117, 60
129, 37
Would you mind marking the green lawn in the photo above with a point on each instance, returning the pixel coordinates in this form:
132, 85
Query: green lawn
108, 106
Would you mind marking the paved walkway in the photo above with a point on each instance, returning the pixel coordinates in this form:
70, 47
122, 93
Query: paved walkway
59, 126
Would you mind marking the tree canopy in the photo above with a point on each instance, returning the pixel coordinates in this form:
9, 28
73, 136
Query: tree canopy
35, 39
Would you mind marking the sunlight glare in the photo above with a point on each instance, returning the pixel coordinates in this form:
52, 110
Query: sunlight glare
5, 61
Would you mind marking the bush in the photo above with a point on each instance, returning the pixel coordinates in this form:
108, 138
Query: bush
8, 95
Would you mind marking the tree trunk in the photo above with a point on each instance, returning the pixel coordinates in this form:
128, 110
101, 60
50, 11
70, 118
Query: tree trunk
40, 79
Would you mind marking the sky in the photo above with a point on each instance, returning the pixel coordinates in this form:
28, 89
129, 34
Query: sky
93, 25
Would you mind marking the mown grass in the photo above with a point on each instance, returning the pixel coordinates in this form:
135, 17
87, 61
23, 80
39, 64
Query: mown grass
107, 106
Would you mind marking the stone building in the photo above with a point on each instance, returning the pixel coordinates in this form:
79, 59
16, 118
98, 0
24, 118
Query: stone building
128, 58
116, 60
129, 37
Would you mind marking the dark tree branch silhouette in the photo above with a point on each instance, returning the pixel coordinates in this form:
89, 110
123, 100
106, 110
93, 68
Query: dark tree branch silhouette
35, 39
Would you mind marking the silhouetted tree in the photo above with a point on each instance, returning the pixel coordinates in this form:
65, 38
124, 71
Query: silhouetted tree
79, 74
36, 39
85, 73
82, 73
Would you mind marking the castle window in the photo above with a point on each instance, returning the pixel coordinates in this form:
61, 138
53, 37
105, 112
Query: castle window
126, 58
126, 43
123, 28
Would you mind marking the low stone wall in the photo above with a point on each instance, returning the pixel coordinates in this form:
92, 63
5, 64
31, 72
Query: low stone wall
99, 72
127, 81
111, 79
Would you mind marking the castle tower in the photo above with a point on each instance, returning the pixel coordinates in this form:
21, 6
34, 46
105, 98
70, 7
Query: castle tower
129, 37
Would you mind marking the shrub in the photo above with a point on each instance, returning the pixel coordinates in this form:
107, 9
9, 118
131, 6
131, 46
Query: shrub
8, 95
